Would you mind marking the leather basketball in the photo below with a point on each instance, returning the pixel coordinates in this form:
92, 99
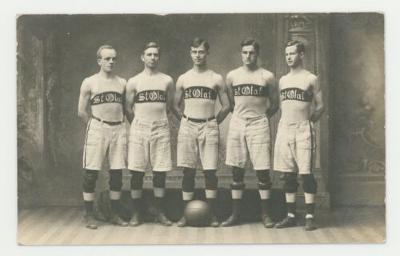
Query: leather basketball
197, 213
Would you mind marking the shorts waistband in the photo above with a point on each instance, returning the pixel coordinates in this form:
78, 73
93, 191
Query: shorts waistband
149, 122
249, 119
294, 124
198, 120
107, 122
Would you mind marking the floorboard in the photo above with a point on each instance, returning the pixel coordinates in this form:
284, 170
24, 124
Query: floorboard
65, 226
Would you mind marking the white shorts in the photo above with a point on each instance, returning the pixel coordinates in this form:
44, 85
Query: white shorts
198, 139
104, 140
249, 136
149, 145
295, 147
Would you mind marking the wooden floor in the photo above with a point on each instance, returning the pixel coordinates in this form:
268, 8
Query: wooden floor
65, 226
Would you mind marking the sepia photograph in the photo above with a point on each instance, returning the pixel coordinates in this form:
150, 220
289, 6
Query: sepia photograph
201, 128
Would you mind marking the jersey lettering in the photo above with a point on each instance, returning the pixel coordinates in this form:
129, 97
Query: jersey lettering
150, 96
106, 97
298, 94
200, 92
250, 90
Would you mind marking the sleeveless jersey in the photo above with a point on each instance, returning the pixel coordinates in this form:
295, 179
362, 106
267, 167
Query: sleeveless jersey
199, 94
151, 96
107, 96
296, 96
250, 93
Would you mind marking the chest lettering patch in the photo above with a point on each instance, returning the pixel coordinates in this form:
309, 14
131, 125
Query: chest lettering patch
106, 97
150, 96
298, 94
200, 92
250, 90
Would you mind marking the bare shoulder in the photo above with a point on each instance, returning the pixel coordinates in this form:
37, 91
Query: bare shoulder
88, 82
312, 78
234, 73
282, 80
121, 80
168, 79
182, 78
217, 77
90, 79
267, 75
133, 81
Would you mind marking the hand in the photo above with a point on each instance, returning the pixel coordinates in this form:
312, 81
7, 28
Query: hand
313, 124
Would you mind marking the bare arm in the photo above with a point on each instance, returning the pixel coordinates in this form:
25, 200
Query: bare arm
319, 104
229, 91
273, 94
123, 82
129, 100
84, 101
223, 99
177, 106
170, 96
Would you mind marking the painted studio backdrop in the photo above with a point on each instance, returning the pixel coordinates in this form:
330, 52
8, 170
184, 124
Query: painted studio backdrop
56, 52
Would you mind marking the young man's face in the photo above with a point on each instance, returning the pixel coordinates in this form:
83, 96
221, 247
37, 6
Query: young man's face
107, 60
249, 55
199, 55
293, 58
150, 57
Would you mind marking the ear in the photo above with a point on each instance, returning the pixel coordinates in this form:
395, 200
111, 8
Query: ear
142, 57
301, 54
98, 61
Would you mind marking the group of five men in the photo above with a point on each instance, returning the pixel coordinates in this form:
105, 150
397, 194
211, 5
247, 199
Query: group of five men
249, 92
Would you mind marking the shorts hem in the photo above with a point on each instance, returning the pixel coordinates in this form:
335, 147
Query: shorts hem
118, 167
166, 169
187, 166
235, 165
210, 167
267, 167
285, 170
305, 172
131, 168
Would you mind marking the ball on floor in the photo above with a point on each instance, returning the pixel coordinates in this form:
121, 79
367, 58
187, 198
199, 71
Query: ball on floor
197, 213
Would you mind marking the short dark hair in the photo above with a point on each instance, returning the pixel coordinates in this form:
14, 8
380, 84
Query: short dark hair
299, 45
197, 42
151, 44
250, 41
104, 46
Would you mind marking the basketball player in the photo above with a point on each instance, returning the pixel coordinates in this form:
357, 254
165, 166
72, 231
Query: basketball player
149, 94
302, 106
254, 97
198, 134
101, 106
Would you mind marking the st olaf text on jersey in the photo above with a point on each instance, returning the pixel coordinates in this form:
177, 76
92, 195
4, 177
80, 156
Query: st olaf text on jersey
150, 96
200, 92
250, 90
294, 93
106, 97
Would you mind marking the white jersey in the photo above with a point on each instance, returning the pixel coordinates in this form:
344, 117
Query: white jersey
106, 97
200, 93
250, 91
150, 100
296, 96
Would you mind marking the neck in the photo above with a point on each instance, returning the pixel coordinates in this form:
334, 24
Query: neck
200, 68
297, 69
150, 71
106, 75
250, 67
